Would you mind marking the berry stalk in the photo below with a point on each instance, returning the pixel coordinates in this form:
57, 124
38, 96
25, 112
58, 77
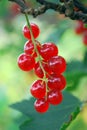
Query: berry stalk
36, 50
35, 47
48, 67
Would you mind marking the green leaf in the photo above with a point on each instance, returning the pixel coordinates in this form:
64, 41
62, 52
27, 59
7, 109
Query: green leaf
57, 31
72, 117
51, 120
85, 58
76, 66
85, 25
75, 71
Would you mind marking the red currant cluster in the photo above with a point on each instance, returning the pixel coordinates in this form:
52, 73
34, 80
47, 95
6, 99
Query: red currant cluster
47, 65
81, 29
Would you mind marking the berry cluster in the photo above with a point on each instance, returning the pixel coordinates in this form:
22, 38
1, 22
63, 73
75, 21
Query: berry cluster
47, 65
81, 29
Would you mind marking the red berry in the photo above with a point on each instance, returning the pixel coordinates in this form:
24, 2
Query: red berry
56, 82
35, 31
15, 9
57, 64
29, 48
26, 62
46, 67
41, 105
79, 28
38, 89
38, 70
85, 38
48, 50
55, 97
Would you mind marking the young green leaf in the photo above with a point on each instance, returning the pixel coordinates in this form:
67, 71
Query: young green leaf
51, 120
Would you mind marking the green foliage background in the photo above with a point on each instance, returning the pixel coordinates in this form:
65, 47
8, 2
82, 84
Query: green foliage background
14, 84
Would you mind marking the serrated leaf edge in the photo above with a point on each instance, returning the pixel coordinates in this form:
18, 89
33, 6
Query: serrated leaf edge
71, 119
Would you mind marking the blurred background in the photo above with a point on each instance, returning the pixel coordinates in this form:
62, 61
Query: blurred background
14, 84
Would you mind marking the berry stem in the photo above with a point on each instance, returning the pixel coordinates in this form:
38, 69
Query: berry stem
36, 50
32, 37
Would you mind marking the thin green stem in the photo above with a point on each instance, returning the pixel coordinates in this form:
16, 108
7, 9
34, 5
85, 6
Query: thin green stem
36, 50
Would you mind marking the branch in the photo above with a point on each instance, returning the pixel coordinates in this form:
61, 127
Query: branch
80, 6
67, 8
21, 3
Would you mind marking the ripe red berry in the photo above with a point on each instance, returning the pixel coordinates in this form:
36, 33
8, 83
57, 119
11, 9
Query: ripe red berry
26, 62
14, 9
79, 28
41, 105
38, 89
48, 50
57, 64
35, 31
56, 82
46, 67
29, 48
55, 97
39, 71
85, 38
